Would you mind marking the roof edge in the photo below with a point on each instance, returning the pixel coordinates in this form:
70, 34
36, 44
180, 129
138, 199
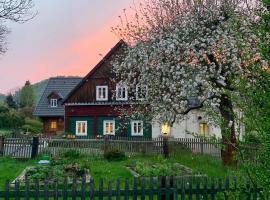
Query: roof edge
121, 42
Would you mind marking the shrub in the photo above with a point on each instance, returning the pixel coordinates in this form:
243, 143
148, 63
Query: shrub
26, 112
72, 155
115, 154
11, 120
33, 126
3, 108
252, 138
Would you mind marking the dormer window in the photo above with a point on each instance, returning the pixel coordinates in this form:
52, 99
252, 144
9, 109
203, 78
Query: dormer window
121, 92
102, 93
54, 103
141, 92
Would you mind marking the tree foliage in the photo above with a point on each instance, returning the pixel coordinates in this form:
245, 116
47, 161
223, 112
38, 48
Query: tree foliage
255, 103
27, 96
191, 54
10, 101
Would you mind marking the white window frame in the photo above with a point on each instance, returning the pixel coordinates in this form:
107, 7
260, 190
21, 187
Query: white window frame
137, 94
133, 123
104, 127
54, 103
106, 93
86, 127
121, 87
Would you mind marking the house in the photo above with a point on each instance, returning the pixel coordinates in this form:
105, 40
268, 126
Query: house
92, 109
49, 108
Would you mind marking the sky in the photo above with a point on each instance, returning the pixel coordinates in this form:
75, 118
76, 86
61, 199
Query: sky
67, 37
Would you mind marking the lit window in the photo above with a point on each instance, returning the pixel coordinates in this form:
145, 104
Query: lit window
121, 93
53, 125
81, 128
137, 128
141, 92
102, 93
54, 103
109, 127
204, 129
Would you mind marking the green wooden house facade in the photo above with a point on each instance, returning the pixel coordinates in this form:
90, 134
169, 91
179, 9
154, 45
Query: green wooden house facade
92, 108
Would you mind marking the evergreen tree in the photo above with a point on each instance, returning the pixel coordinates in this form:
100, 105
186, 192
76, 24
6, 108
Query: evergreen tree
10, 101
27, 95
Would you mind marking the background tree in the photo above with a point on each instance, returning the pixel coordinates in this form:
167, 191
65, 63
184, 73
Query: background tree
10, 101
16, 11
255, 104
27, 96
191, 55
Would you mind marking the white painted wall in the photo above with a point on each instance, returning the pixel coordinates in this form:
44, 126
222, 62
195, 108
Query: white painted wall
188, 125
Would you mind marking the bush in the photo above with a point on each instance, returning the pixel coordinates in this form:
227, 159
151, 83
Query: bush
33, 126
11, 120
252, 138
115, 154
3, 108
26, 112
72, 155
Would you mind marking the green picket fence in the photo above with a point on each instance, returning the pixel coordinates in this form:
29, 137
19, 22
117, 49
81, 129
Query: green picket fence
162, 188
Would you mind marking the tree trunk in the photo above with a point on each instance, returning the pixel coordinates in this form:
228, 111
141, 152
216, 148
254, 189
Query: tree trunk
228, 131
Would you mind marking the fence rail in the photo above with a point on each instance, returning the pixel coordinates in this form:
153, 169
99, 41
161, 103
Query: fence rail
162, 188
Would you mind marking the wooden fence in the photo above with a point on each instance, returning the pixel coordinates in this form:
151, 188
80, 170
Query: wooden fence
134, 145
162, 188
23, 147
27, 147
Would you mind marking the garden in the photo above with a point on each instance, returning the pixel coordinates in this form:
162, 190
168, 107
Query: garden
115, 165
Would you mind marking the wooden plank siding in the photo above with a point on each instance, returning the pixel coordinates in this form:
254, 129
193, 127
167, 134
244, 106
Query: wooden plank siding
47, 125
101, 74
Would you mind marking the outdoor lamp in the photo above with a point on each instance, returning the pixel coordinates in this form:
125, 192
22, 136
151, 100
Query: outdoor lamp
165, 129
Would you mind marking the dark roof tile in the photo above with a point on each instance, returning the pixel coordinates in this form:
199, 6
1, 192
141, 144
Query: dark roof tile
60, 85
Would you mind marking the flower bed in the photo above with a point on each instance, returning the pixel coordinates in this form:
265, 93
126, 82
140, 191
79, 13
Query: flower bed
152, 169
67, 166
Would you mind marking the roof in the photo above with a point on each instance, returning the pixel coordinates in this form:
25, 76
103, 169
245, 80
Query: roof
59, 85
106, 57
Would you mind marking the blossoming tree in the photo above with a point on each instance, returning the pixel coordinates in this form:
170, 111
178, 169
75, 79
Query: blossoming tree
190, 55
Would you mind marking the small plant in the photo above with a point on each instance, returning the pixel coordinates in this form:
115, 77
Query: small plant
115, 154
161, 169
40, 172
72, 155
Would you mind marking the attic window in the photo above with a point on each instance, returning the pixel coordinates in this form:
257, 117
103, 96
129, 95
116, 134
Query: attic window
54, 103
121, 93
102, 93
141, 92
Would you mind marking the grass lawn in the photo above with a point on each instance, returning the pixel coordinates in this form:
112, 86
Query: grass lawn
10, 168
212, 167
112, 170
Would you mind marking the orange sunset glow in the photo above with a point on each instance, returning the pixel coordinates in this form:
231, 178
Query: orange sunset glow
59, 41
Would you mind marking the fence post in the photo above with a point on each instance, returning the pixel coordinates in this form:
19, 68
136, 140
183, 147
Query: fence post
106, 144
165, 147
202, 143
167, 183
2, 144
35, 144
